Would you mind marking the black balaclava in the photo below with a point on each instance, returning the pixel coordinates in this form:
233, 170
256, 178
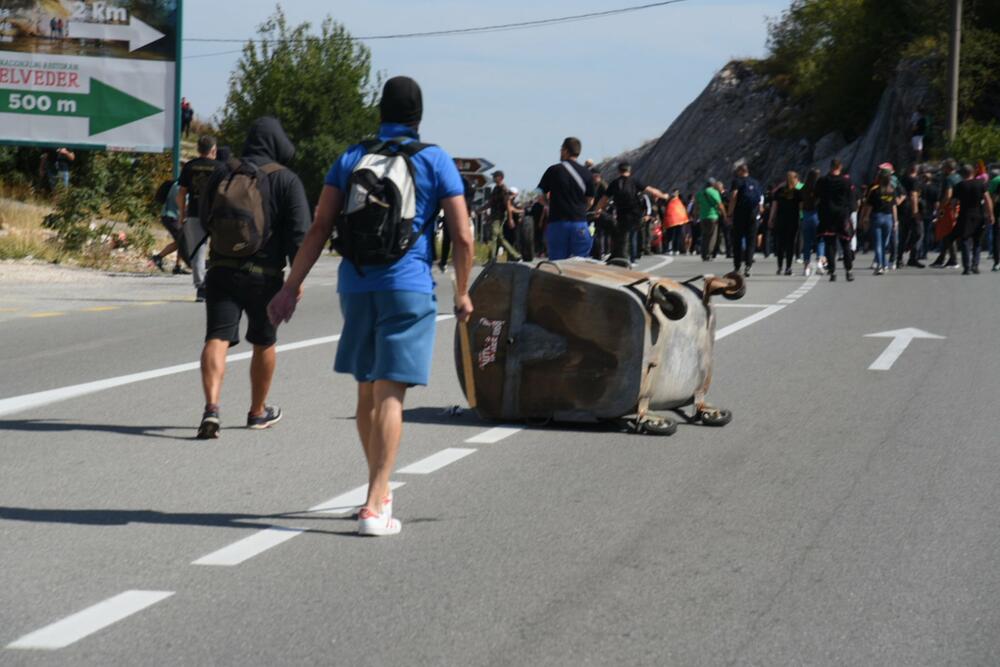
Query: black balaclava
401, 101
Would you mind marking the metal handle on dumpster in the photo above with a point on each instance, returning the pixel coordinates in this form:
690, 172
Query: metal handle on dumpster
550, 263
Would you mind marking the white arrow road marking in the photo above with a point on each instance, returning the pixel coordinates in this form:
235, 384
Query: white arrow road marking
137, 33
901, 339
83, 623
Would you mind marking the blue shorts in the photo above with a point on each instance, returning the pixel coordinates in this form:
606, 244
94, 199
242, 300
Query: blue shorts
387, 336
568, 239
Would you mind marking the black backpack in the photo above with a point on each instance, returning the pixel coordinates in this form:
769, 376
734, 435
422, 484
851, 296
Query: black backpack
376, 225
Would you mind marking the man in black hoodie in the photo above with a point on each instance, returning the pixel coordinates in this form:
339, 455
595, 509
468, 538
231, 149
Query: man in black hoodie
234, 286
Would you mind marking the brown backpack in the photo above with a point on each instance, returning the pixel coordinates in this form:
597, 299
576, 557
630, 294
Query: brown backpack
238, 220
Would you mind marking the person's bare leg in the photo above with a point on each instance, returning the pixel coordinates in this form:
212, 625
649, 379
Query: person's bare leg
261, 373
213, 369
365, 415
383, 446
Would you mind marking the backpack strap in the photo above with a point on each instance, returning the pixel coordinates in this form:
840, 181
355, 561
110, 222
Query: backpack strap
272, 168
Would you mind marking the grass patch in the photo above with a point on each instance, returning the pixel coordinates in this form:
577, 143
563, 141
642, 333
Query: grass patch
20, 245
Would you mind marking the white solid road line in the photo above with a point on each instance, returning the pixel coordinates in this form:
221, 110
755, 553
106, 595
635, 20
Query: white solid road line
9, 406
348, 502
435, 462
494, 435
247, 548
81, 624
786, 301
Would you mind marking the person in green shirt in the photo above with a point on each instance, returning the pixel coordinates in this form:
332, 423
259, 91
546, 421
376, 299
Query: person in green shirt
710, 210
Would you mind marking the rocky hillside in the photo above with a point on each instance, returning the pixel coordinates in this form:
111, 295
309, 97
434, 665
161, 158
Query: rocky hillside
740, 116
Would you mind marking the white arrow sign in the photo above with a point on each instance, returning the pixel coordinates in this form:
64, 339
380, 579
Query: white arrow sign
901, 339
137, 33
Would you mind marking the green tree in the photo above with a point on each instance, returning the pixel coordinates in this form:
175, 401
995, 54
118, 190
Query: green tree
835, 57
319, 86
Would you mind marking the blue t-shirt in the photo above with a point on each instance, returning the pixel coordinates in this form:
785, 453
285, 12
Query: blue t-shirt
435, 177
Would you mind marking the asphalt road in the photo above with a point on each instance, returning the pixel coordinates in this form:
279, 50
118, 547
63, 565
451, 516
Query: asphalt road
847, 516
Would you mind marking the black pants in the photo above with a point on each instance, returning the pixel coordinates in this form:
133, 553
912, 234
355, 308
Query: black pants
445, 246
996, 243
620, 239
845, 251
971, 246
744, 239
784, 244
911, 237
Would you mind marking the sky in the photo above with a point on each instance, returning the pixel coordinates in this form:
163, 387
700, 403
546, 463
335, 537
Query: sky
511, 97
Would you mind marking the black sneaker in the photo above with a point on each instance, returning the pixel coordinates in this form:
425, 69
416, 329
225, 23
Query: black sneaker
996, 267
951, 265
746, 272
916, 263
199, 295
975, 270
271, 416
833, 277
157, 261
210, 425
849, 276
180, 270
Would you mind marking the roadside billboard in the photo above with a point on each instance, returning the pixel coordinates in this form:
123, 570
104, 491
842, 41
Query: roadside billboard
89, 74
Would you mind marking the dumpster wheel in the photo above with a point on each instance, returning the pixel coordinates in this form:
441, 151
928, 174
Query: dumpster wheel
714, 416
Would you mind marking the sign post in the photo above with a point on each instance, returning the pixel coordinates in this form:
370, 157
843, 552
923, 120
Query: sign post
90, 74
473, 169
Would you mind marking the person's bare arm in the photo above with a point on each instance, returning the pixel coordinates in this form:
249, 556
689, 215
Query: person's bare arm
510, 213
601, 205
182, 198
282, 306
590, 202
68, 154
659, 194
457, 218
732, 205
989, 211
914, 203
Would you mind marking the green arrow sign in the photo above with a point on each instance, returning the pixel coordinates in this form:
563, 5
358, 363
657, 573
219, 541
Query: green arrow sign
105, 107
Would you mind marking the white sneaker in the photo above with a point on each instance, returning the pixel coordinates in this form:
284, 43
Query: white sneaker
808, 271
377, 525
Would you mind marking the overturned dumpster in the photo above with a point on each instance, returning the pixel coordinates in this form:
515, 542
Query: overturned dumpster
580, 341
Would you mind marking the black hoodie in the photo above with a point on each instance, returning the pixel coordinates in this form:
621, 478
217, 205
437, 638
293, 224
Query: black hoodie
288, 208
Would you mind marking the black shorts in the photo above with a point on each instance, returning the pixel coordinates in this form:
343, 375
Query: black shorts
230, 293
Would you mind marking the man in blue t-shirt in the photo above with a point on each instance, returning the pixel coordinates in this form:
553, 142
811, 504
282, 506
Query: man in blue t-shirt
389, 310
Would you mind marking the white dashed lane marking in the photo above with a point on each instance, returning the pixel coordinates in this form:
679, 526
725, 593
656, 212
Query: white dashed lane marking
435, 462
247, 548
83, 623
348, 502
494, 435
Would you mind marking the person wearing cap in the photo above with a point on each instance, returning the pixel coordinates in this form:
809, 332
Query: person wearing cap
567, 192
389, 311
501, 219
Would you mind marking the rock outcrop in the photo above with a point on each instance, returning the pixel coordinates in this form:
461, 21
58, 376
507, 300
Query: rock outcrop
741, 117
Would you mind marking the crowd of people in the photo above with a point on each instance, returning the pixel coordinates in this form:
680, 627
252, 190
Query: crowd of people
381, 203
812, 221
